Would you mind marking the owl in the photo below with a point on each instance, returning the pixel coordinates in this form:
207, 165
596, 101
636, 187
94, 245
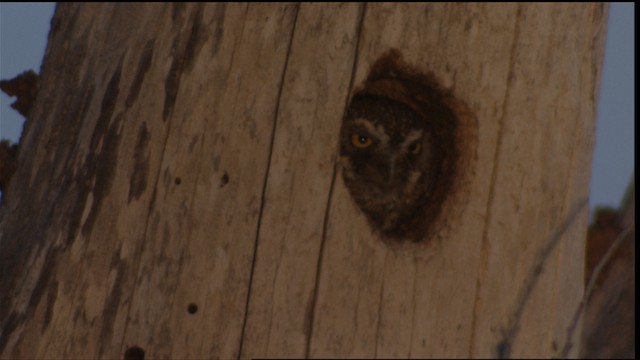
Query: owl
389, 161
397, 149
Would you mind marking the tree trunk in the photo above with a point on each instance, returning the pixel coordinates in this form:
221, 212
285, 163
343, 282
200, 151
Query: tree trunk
177, 194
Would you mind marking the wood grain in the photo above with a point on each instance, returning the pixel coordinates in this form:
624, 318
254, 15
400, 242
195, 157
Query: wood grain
190, 160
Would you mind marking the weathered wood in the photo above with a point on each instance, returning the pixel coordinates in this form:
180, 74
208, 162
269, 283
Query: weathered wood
301, 170
177, 188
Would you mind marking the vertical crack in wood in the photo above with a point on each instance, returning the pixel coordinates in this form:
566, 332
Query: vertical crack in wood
484, 247
266, 180
576, 151
600, 16
139, 248
325, 224
377, 338
595, 18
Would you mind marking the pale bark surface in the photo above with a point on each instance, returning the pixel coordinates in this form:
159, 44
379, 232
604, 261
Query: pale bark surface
190, 159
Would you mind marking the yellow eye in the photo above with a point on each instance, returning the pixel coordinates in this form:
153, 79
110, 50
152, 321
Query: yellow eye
415, 148
361, 141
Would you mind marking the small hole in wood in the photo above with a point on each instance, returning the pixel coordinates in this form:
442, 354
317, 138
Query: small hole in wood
192, 308
224, 180
178, 181
134, 353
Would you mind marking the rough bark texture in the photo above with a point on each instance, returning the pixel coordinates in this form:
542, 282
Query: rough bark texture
177, 189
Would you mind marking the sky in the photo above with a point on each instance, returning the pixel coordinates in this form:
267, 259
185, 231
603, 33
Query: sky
23, 35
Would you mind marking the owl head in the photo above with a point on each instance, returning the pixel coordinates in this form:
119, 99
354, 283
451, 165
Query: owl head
388, 156
407, 146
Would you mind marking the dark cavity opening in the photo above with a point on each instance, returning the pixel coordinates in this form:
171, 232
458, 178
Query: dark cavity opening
134, 353
192, 308
225, 179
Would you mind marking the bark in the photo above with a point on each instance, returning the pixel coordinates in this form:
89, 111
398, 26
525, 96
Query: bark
177, 194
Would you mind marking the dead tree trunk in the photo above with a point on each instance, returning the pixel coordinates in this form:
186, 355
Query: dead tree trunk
177, 194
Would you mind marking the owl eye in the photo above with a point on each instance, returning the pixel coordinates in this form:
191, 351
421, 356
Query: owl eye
415, 148
361, 141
